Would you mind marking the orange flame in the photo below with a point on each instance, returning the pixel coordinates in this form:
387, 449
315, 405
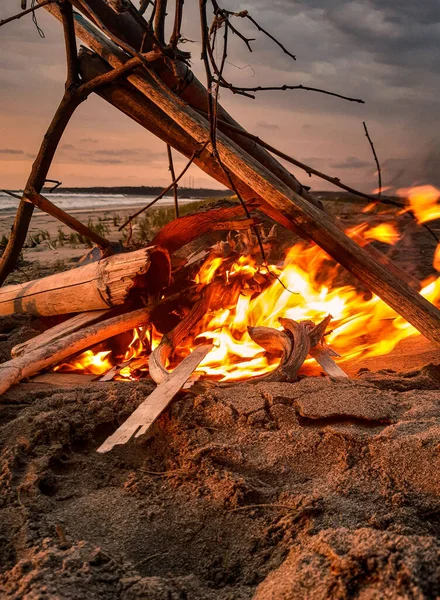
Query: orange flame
424, 201
362, 325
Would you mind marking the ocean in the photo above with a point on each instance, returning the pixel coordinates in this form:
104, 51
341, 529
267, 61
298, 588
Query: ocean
74, 202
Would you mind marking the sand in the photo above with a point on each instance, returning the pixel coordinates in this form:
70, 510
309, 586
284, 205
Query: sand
271, 491
310, 490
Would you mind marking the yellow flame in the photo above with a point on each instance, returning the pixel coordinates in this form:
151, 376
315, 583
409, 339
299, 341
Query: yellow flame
362, 325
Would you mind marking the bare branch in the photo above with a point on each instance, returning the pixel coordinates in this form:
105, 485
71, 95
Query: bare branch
25, 12
70, 43
282, 88
167, 189
173, 179
159, 20
248, 16
379, 172
176, 35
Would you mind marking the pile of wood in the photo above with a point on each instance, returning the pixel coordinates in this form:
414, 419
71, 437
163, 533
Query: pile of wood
129, 65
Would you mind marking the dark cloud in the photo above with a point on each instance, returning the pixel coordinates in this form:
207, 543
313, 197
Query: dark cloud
10, 151
108, 161
351, 163
67, 147
88, 141
265, 125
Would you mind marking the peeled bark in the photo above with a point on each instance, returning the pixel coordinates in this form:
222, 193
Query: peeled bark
95, 286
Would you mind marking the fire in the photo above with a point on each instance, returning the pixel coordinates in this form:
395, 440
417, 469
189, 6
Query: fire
89, 362
424, 201
313, 286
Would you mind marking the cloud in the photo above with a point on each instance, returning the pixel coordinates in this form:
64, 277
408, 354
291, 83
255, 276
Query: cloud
10, 151
88, 141
108, 161
351, 163
67, 147
265, 125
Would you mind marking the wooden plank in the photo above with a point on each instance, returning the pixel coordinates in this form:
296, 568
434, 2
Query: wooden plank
146, 413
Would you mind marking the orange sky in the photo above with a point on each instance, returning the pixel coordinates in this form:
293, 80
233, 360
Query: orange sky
103, 147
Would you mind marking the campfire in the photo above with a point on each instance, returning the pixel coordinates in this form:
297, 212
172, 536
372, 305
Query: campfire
220, 315
234, 310
250, 312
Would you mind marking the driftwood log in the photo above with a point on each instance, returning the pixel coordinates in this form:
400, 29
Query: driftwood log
42, 357
293, 345
95, 286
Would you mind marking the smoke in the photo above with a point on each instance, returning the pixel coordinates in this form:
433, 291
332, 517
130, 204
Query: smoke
421, 169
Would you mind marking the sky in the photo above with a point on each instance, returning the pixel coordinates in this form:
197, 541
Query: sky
385, 52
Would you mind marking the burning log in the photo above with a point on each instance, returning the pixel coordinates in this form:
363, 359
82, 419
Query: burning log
146, 413
181, 231
298, 340
95, 286
54, 351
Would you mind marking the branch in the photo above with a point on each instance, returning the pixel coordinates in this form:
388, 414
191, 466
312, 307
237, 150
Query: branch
25, 12
176, 35
107, 78
196, 154
72, 78
173, 179
58, 213
309, 170
379, 172
259, 88
159, 20
247, 15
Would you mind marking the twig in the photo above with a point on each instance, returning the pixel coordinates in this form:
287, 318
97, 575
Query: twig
196, 153
259, 88
173, 178
25, 12
247, 15
379, 172
252, 506
55, 181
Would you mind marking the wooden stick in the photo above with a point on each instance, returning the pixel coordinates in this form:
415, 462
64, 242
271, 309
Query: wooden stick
93, 286
58, 331
44, 357
147, 412
58, 213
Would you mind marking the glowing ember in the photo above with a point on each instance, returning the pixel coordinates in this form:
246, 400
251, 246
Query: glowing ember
362, 324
